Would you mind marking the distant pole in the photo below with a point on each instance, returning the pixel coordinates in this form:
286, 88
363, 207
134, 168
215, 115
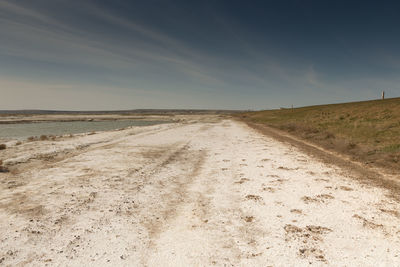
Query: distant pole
383, 95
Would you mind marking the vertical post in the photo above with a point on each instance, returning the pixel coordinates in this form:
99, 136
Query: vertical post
383, 95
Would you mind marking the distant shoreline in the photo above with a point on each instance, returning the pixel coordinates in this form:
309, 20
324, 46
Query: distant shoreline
73, 120
25, 129
36, 118
133, 112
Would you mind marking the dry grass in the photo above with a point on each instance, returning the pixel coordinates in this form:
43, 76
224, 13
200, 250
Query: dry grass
369, 131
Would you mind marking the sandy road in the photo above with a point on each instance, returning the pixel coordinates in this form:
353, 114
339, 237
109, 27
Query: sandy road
211, 192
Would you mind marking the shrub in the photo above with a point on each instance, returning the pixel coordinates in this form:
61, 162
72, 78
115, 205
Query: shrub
18, 143
43, 137
310, 130
32, 138
290, 127
2, 146
329, 135
351, 145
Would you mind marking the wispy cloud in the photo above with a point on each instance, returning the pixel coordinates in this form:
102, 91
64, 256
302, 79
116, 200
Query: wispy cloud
88, 47
68, 45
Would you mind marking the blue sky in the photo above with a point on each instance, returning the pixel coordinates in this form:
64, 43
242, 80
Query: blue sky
96, 55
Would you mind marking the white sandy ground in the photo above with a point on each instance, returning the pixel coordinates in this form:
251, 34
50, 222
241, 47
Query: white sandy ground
210, 192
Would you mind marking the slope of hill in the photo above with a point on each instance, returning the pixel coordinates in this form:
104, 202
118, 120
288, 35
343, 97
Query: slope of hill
369, 131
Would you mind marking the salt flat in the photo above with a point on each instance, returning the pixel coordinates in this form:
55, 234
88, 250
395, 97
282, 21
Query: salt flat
205, 191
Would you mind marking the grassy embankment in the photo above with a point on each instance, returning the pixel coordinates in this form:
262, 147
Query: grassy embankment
368, 131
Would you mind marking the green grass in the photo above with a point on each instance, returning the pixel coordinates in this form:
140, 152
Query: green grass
368, 130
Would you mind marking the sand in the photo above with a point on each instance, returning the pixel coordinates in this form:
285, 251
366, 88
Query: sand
200, 192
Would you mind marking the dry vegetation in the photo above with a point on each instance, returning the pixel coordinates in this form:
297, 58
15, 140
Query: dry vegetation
2, 168
2, 146
43, 137
369, 131
32, 138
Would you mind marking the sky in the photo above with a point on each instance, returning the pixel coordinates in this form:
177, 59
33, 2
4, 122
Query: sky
206, 54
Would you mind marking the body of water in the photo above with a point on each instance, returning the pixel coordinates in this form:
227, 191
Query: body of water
25, 130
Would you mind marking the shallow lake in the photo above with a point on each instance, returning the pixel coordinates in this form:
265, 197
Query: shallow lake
25, 130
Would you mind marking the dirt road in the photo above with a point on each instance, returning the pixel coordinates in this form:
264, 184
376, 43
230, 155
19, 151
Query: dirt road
206, 192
